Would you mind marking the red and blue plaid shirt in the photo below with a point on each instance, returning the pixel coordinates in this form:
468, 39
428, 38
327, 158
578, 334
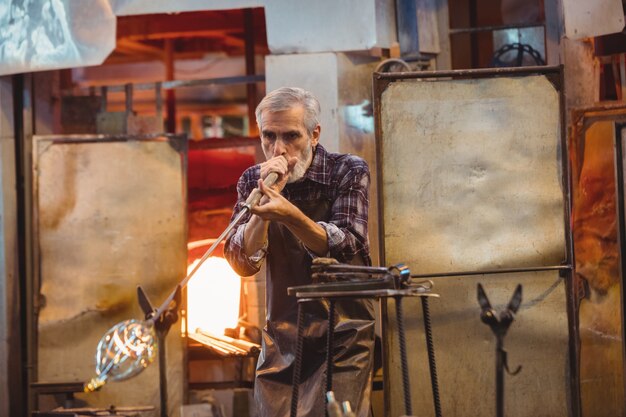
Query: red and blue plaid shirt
342, 179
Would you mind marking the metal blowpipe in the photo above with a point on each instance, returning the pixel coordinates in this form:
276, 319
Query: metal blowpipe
253, 200
130, 346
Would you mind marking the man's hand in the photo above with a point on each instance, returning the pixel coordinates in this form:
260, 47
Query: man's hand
255, 233
273, 206
283, 166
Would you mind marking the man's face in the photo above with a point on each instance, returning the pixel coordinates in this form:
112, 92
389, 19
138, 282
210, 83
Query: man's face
284, 134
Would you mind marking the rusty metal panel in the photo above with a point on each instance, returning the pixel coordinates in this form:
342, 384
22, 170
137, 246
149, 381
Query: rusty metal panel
109, 215
473, 178
598, 214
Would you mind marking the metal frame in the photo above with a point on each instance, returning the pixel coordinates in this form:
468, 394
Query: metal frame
24, 129
621, 222
13, 354
554, 74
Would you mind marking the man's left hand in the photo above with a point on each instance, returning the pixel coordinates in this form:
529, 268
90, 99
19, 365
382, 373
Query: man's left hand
273, 206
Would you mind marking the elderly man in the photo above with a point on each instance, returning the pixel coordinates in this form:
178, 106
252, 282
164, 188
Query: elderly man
317, 208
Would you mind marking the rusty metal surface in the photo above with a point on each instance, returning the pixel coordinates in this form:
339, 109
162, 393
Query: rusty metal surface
473, 177
109, 215
599, 255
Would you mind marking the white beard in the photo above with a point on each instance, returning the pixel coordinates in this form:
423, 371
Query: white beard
302, 165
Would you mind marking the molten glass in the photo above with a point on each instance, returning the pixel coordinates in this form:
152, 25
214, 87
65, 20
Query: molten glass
213, 297
124, 351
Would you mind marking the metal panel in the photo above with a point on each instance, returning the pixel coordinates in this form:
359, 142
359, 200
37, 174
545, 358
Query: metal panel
472, 177
473, 168
586, 19
321, 26
428, 26
465, 348
386, 32
598, 191
406, 20
109, 215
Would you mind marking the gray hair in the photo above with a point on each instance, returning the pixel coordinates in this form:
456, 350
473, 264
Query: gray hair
286, 98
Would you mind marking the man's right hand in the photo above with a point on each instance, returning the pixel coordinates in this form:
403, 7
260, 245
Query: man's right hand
282, 166
255, 233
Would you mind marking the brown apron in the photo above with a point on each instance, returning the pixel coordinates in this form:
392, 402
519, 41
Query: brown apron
289, 264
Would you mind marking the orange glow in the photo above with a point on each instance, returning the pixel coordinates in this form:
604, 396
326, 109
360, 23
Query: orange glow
213, 297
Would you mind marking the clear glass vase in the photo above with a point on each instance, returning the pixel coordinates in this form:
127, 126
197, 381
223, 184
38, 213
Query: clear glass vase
123, 352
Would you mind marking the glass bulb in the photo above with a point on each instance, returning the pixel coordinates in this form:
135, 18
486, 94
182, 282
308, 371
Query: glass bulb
124, 351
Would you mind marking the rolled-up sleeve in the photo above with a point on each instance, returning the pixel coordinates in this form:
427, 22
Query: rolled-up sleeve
234, 252
346, 229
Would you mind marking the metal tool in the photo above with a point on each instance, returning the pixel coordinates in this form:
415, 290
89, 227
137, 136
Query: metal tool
499, 326
130, 346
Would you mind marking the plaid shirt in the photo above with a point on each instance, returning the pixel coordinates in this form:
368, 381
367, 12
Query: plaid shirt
342, 179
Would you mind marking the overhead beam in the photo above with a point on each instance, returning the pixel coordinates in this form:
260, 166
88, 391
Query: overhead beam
133, 47
160, 26
207, 33
234, 41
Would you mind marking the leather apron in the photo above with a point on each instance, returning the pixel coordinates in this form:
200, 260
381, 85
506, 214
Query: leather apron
289, 264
